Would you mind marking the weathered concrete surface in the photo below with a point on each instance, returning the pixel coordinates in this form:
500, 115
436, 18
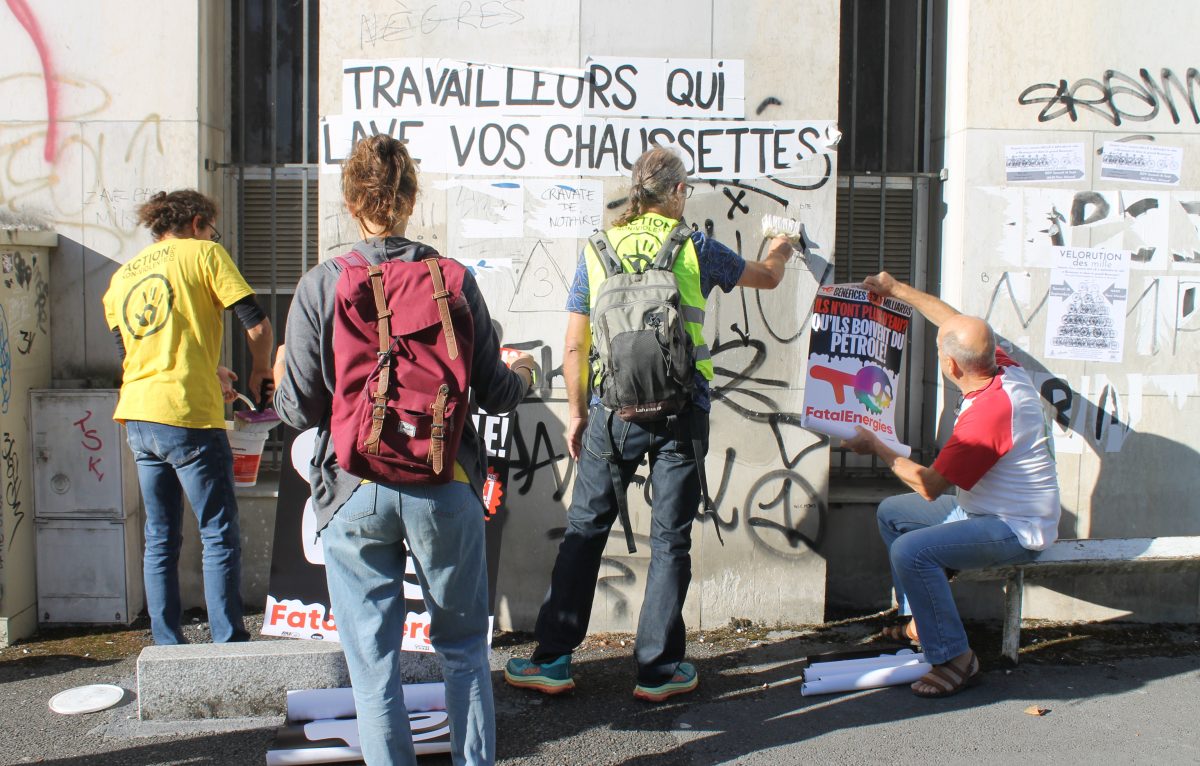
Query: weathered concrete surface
204, 681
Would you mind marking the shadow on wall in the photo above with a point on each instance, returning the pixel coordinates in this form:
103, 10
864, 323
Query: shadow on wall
84, 352
1143, 489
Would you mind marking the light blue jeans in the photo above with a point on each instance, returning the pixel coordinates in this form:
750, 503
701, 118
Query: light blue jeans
172, 461
364, 564
924, 539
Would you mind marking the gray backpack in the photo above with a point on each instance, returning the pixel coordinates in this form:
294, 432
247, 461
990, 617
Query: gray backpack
646, 357
647, 367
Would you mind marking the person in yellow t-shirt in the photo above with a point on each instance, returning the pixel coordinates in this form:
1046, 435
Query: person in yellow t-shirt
166, 309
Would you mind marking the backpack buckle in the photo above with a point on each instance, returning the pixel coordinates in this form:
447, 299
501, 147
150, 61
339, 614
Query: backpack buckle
437, 431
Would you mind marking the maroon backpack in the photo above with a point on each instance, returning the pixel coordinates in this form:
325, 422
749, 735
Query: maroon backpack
403, 335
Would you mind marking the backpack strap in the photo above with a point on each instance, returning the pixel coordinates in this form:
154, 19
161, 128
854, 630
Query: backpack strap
684, 432
353, 258
620, 488
440, 294
437, 431
379, 397
670, 249
606, 252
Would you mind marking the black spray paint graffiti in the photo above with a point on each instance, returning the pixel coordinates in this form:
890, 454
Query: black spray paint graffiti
20, 274
1100, 423
1117, 97
12, 484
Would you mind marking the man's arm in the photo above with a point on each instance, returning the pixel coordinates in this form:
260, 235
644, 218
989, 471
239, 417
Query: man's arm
576, 350
767, 273
926, 482
932, 308
260, 338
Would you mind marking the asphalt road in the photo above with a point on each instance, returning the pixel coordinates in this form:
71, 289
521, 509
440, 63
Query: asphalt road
1110, 696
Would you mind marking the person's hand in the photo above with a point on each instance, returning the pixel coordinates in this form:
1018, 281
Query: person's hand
227, 378
519, 360
575, 428
883, 284
781, 247
262, 386
865, 442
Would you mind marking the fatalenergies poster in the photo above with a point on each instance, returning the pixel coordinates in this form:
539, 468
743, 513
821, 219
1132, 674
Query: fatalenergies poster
297, 596
855, 355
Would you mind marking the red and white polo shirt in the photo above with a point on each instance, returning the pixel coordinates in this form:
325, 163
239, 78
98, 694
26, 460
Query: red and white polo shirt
1001, 457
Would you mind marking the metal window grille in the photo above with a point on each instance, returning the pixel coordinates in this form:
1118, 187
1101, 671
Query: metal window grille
885, 181
272, 173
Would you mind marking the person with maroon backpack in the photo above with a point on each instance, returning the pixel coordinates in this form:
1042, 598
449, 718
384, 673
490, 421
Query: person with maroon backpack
395, 459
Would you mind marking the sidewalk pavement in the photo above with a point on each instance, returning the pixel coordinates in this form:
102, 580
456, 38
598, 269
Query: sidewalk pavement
1118, 694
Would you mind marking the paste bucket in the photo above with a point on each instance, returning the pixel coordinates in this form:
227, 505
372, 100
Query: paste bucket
247, 447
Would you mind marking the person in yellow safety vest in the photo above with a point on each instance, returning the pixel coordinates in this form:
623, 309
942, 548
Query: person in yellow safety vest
658, 194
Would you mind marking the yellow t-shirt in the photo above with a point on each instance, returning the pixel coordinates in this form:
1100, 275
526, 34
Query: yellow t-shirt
169, 303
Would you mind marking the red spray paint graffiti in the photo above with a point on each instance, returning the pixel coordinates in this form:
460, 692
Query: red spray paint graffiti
20, 9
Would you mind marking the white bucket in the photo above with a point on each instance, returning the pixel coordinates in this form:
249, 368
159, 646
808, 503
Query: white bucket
247, 447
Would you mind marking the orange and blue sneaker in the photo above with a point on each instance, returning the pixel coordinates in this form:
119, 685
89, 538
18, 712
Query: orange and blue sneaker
545, 677
685, 680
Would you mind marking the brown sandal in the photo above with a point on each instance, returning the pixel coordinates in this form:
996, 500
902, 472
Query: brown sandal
949, 679
902, 634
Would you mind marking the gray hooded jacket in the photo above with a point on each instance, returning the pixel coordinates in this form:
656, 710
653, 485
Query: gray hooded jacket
304, 397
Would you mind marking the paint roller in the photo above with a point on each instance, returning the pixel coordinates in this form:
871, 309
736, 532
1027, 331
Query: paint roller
254, 419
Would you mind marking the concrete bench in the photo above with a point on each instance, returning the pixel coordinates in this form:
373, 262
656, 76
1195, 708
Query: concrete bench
1074, 557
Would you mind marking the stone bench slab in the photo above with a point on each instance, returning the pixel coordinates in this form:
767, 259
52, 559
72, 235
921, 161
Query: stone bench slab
1074, 557
247, 680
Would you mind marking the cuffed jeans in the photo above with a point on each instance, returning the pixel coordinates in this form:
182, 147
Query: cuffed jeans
364, 565
675, 485
924, 539
172, 461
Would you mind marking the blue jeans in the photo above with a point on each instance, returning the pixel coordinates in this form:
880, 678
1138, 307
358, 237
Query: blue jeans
364, 564
924, 539
172, 461
675, 485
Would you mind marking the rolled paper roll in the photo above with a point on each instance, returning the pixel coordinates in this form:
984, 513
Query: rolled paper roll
318, 704
842, 667
872, 679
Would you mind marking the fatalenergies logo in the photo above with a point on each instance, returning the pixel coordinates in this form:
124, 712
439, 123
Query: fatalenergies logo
873, 389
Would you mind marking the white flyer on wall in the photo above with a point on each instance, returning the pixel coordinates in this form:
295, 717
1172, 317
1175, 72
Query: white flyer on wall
1043, 162
1089, 293
1141, 162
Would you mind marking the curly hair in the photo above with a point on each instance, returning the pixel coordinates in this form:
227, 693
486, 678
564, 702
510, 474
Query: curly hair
656, 174
379, 181
173, 213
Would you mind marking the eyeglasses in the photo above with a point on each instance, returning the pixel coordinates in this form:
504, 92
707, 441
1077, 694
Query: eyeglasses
216, 235
687, 190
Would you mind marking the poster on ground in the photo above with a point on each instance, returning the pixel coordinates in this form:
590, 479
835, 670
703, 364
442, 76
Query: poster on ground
1085, 311
298, 598
855, 357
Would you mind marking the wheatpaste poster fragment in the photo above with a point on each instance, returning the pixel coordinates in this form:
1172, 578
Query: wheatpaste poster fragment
1089, 290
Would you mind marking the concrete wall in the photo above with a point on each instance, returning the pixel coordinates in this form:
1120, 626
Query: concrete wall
1089, 72
767, 475
101, 106
24, 364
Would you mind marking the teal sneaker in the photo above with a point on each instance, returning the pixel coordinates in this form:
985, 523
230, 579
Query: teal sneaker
546, 677
685, 680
